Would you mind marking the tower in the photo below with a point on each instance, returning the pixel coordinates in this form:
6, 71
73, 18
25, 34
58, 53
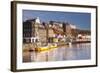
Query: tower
37, 20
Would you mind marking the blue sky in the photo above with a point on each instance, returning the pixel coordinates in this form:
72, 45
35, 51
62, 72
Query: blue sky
81, 20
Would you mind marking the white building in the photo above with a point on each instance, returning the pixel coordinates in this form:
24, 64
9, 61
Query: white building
37, 20
72, 26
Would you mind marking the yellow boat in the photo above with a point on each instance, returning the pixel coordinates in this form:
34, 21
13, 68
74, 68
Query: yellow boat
46, 48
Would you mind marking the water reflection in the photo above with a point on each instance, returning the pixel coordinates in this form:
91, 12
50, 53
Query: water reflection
74, 52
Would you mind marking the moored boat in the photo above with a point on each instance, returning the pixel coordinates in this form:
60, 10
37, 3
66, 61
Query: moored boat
46, 48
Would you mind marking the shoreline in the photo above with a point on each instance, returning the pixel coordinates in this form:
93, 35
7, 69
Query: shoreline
58, 45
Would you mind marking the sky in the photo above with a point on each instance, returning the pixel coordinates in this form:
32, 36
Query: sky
81, 20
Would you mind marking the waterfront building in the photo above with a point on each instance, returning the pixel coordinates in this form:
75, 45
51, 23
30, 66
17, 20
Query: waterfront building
33, 31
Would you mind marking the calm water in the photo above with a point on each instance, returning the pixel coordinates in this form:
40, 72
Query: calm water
74, 52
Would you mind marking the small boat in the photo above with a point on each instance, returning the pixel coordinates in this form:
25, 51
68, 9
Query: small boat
42, 48
46, 48
53, 46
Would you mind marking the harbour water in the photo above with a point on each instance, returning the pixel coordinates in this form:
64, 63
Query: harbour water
80, 51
